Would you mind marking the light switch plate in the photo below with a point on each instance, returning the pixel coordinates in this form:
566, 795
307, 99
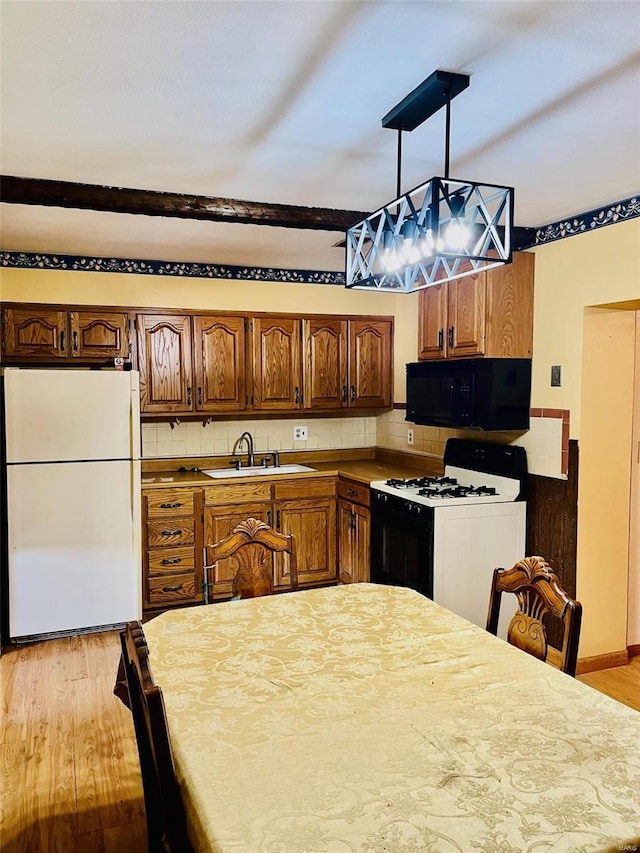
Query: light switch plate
555, 375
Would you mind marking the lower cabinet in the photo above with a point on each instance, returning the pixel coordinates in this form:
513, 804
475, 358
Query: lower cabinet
312, 521
173, 548
354, 529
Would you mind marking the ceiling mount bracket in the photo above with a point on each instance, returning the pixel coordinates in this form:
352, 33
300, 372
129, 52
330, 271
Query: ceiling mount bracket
425, 100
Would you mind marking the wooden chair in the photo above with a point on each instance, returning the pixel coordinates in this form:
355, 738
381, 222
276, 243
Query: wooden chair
538, 591
166, 824
252, 543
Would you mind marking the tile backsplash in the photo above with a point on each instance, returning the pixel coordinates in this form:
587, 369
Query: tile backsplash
546, 441
192, 438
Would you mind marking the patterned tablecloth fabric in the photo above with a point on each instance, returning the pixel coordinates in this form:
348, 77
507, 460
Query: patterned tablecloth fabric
367, 718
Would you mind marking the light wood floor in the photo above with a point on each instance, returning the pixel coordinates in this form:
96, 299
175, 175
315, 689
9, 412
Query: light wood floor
69, 773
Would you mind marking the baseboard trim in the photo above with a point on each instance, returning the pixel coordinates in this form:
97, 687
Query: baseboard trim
596, 662
634, 650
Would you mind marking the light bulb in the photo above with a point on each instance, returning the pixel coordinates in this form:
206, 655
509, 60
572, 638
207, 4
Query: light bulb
429, 245
457, 234
411, 251
391, 260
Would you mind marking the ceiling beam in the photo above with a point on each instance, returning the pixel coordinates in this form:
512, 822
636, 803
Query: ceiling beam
15, 190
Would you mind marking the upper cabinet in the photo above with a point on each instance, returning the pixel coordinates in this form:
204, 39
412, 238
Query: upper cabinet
370, 363
42, 334
194, 363
347, 363
191, 364
484, 314
277, 367
219, 366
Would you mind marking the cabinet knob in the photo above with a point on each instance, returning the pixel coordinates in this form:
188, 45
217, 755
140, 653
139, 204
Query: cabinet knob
189, 395
199, 396
353, 393
296, 395
441, 339
450, 337
62, 336
75, 341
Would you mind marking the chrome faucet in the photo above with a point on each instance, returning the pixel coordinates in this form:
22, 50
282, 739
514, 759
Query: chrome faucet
248, 439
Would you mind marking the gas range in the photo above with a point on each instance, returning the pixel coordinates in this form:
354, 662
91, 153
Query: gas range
474, 473
443, 536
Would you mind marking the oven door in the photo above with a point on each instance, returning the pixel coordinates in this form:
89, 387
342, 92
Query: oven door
401, 543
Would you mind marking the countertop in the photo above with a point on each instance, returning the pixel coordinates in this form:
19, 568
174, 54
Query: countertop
362, 470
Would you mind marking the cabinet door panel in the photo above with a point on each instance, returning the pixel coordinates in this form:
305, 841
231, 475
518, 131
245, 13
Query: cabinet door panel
346, 548
220, 364
370, 363
362, 535
35, 333
164, 355
432, 322
466, 315
218, 523
99, 335
313, 524
276, 363
325, 364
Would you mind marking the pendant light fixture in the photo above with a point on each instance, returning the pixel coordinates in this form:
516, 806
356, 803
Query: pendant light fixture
443, 229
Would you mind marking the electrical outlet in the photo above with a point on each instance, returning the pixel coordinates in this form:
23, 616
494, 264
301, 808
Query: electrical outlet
299, 433
409, 436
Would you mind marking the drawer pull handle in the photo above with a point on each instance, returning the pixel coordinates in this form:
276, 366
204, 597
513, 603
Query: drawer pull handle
176, 532
172, 561
170, 506
352, 492
175, 588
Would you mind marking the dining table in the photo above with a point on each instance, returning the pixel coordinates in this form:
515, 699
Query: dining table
365, 718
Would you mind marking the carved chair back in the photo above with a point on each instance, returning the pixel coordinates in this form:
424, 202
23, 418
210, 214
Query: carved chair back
252, 543
166, 825
538, 591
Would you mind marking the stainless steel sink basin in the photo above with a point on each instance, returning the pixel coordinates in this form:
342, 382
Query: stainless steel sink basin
257, 471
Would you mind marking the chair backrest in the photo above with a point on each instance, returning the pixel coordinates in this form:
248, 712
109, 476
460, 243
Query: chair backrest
253, 543
166, 825
538, 591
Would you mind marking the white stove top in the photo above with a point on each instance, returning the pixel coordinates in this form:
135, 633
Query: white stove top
458, 486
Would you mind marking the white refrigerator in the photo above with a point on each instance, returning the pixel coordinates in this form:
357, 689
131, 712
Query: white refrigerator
72, 452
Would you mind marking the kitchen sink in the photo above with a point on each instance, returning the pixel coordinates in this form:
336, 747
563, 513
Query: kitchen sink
256, 471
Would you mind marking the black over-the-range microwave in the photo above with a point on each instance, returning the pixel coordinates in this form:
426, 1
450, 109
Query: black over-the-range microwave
477, 393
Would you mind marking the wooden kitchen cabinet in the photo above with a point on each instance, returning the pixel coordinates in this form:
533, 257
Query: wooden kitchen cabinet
347, 363
325, 344
354, 531
41, 334
370, 363
307, 509
225, 506
304, 507
220, 365
165, 363
277, 364
484, 314
172, 562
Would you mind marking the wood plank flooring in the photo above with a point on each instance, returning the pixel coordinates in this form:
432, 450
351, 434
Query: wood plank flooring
69, 772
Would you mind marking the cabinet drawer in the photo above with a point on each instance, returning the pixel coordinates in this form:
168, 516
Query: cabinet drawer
236, 493
319, 487
170, 531
163, 560
172, 588
350, 490
168, 502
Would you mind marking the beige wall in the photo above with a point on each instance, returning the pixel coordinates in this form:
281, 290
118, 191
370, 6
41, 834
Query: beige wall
604, 481
595, 268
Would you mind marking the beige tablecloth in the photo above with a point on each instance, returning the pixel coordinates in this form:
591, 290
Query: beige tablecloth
367, 718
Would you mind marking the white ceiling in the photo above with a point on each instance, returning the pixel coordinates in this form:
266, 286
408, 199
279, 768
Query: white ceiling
281, 101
